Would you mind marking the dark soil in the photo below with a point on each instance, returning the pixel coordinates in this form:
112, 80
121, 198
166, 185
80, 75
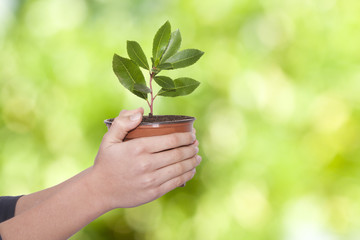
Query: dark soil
166, 119
163, 119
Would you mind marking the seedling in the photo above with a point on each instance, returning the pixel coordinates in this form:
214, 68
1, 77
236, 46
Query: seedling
165, 56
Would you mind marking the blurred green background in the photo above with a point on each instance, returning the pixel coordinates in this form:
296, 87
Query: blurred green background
278, 111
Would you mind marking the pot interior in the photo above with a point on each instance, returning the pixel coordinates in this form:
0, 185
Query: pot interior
160, 119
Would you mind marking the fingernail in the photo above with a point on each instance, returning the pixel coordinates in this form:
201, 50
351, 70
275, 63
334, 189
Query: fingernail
135, 117
196, 149
198, 158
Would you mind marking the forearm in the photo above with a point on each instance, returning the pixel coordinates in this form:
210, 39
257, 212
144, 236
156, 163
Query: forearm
59, 216
29, 201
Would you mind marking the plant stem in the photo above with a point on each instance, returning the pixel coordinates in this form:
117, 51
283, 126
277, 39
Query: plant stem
147, 100
152, 96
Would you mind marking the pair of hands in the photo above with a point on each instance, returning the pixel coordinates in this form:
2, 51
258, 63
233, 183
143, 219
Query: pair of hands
135, 172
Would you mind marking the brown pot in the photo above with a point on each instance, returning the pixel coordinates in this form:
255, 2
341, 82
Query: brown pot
159, 125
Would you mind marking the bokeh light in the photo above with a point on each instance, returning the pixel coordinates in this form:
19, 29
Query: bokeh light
278, 111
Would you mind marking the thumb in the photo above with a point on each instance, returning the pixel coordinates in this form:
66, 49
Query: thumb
122, 124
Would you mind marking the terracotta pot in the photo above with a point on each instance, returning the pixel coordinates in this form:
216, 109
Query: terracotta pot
157, 128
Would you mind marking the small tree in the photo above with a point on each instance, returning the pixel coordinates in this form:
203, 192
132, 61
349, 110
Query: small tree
165, 56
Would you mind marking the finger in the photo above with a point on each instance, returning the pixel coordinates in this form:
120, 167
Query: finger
169, 157
124, 113
176, 182
194, 131
128, 113
122, 124
175, 170
165, 142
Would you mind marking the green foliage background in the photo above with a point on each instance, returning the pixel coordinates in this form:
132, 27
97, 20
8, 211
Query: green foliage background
278, 111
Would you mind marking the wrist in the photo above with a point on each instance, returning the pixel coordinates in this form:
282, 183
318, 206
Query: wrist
97, 185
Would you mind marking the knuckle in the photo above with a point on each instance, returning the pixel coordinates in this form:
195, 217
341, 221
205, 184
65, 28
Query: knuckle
154, 193
139, 149
148, 181
145, 166
117, 120
118, 123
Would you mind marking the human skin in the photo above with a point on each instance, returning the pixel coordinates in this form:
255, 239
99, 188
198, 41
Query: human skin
124, 174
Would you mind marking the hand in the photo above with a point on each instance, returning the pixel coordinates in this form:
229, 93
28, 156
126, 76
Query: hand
138, 171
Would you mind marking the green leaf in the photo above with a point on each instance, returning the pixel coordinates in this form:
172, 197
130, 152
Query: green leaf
183, 86
164, 91
185, 58
136, 54
164, 82
128, 74
173, 46
141, 88
165, 66
161, 41
140, 94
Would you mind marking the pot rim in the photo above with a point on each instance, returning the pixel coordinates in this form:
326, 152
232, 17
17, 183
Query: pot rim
188, 119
